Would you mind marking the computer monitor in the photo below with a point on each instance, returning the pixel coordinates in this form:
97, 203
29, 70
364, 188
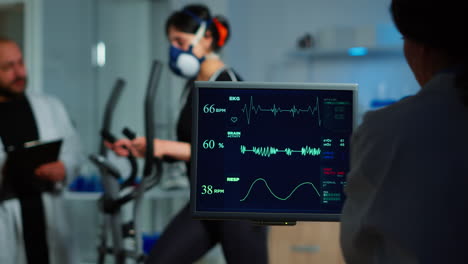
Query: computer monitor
271, 152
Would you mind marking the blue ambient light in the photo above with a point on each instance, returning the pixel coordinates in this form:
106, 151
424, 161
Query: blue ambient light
357, 51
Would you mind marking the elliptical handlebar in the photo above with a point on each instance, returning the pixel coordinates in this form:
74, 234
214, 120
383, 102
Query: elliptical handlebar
104, 165
114, 196
110, 221
109, 109
149, 119
106, 135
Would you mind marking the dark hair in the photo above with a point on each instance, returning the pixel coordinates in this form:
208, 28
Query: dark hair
188, 20
440, 26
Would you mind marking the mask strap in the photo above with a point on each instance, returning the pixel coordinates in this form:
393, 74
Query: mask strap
201, 29
200, 33
190, 13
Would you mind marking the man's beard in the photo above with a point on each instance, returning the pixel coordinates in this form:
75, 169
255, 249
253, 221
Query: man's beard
9, 93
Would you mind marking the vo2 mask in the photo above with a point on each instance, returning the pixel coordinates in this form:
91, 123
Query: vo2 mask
185, 63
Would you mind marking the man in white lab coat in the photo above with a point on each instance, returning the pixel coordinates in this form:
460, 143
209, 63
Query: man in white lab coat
33, 226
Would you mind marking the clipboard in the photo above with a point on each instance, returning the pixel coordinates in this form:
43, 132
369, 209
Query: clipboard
22, 161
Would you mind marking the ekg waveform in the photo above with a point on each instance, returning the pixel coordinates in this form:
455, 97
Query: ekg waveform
268, 151
251, 108
274, 195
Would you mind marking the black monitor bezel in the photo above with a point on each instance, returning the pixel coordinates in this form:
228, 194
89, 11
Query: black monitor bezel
285, 218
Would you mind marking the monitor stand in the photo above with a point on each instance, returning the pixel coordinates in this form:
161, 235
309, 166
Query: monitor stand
281, 223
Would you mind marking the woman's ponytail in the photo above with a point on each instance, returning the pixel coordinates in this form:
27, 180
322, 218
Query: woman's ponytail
221, 32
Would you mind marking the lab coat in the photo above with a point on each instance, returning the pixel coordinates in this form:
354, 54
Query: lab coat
406, 190
53, 123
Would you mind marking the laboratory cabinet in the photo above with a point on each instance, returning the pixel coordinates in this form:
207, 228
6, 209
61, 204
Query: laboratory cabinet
306, 242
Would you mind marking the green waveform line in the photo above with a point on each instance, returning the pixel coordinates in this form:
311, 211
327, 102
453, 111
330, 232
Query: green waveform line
274, 195
275, 110
268, 151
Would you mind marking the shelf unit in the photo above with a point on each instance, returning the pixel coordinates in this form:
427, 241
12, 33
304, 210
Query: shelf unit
363, 52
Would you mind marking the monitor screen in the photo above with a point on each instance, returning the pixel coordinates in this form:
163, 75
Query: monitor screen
271, 152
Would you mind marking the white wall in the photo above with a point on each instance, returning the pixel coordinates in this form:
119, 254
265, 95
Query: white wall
266, 31
68, 35
124, 26
12, 22
71, 28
